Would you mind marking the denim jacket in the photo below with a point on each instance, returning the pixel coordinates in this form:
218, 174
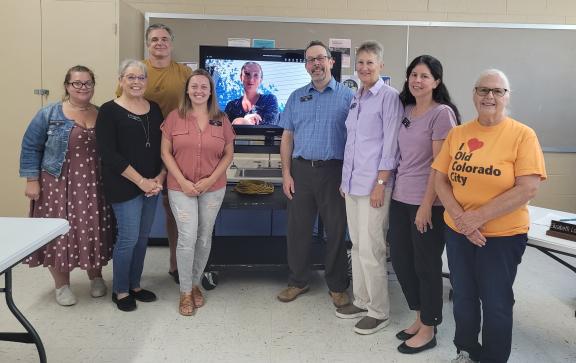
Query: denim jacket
45, 142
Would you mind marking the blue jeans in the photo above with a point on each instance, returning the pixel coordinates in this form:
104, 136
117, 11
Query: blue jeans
484, 274
134, 220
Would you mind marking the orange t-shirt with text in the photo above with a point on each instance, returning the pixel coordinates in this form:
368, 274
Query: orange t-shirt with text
483, 162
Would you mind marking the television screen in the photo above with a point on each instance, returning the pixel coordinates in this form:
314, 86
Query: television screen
282, 72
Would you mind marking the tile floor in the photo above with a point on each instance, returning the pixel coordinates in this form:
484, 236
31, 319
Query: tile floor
243, 322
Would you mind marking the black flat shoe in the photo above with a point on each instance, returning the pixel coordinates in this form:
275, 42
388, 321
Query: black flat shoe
402, 335
405, 349
143, 295
127, 303
175, 276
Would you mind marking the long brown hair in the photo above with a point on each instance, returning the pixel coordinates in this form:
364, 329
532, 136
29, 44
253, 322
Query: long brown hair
185, 105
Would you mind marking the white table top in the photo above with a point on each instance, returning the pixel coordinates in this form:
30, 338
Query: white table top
19, 237
537, 234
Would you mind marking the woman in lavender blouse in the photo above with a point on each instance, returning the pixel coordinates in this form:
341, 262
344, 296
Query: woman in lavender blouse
417, 226
372, 128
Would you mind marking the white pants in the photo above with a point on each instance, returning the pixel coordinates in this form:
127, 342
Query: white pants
367, 227
195, 217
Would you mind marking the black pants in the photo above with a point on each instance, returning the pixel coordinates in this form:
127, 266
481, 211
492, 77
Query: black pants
417, 259
317, 190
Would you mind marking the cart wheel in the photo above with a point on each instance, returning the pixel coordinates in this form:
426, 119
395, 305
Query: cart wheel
209, 280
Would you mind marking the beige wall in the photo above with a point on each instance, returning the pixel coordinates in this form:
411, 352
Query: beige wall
508, 11
557, 192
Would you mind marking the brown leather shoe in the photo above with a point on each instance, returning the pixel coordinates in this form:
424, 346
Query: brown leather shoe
340, 299
291, 292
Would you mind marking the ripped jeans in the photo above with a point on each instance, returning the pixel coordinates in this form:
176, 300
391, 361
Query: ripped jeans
195, 217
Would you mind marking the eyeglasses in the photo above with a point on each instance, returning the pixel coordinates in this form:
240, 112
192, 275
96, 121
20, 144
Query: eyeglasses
132, 78
79, 84
320, 58
483, 91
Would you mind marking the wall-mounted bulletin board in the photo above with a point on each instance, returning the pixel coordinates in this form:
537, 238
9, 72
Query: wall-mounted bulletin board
538, 59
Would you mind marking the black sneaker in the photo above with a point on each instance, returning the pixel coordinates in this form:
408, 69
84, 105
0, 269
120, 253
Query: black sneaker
143, 295
127, 303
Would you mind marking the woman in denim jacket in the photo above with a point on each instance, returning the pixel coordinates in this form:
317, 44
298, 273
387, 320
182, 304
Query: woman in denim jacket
62, 171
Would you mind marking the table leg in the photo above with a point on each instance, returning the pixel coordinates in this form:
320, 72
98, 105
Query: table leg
31, 336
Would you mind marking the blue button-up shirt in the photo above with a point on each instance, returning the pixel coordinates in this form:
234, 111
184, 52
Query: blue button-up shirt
317, 120
372, 142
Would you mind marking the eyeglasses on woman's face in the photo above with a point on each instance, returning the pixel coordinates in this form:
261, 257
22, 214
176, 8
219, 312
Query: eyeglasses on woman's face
80, 84
134, 78
497, 92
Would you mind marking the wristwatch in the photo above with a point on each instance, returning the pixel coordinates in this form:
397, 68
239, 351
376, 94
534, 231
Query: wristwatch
381, 182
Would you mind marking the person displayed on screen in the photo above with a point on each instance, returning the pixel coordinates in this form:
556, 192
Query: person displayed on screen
128, 136
197, 148
369, 160
62, 170
253, 108
312, 150
165, 81
487, 171
416, 225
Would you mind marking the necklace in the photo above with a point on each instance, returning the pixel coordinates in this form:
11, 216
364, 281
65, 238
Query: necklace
80, 108
145, 129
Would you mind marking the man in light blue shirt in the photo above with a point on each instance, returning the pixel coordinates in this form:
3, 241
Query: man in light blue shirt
312, 151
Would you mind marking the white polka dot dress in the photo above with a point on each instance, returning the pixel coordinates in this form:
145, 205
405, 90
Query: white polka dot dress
76, 195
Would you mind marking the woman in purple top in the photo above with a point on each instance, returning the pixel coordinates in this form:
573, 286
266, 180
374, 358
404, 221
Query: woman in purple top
372, 129
416, 223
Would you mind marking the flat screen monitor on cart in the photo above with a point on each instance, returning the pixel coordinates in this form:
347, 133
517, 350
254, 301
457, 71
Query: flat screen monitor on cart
283, 72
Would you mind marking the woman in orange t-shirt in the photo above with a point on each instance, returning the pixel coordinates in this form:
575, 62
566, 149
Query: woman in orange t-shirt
197, 148
488, 170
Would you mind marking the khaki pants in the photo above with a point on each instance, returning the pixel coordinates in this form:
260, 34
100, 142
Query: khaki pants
367, 227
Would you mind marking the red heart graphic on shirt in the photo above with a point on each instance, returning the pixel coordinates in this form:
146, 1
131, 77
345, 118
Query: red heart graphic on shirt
474, 144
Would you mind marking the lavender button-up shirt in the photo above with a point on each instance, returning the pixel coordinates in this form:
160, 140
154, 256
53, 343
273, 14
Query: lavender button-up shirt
372, 126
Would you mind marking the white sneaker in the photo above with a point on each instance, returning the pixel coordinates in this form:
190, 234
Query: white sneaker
98, 287
65, 296
463, 357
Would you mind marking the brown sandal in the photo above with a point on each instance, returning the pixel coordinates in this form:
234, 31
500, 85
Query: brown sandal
197, 297
187, 307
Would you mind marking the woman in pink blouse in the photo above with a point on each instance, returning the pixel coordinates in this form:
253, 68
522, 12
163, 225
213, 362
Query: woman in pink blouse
197, 148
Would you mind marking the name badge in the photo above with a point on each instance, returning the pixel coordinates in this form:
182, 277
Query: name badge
305, 98
215, 122
406, 122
